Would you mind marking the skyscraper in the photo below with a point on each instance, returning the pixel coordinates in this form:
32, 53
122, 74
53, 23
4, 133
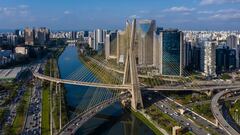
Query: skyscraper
169, 52
222, 59
123, 40
74, 35
209, 54
43, 35
196, 58
232, 42
111, 45
145, 42
98, 38
28, 36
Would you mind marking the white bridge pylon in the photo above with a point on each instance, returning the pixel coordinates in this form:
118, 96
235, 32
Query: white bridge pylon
130, 78
130, 72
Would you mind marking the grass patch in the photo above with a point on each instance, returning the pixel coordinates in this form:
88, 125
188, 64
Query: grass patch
147, 122
162, 119
21, 112
204, 110
45, 112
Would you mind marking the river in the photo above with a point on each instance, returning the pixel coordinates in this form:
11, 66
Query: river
113, 120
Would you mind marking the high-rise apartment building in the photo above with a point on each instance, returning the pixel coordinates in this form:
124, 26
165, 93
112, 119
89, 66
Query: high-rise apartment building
209, 55
98, 38
232, 41
42, 36
111, 45
146, 31
28, 36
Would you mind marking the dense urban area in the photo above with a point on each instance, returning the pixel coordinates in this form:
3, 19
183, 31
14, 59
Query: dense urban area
173, 81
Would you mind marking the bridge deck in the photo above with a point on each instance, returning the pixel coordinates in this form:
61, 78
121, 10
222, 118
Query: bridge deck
78, 121
80, 83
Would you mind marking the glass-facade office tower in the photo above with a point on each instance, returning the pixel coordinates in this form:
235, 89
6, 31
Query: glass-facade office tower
225, 59
222, 59
169, 52
98, 39
146, 31
111, 45
196, 58
123, 40
232, 42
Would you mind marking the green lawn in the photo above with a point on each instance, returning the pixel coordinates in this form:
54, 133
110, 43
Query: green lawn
21, 112
45, 112
147, 122
204, 110
163, 120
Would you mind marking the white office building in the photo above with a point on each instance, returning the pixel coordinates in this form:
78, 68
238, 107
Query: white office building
209, 54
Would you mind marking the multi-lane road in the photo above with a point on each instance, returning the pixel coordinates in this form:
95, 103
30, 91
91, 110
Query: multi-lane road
215, 106
163, 105
33, 119
196, 124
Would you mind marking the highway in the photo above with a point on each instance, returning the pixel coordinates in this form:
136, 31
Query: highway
33, 120
164, 105
200, 120
215, 107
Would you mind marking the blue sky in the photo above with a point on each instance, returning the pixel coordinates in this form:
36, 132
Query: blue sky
112, 14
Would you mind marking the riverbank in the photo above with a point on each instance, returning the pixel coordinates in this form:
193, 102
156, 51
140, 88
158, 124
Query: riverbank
107, 76
51, 96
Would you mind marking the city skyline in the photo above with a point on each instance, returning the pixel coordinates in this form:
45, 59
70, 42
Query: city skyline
184, 14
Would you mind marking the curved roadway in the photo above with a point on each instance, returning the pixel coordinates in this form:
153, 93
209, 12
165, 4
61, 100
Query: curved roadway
218, 115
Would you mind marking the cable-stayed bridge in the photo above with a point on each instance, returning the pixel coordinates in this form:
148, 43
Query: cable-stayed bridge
124, 85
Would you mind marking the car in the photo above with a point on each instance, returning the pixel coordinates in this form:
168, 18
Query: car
69, 129
188, 124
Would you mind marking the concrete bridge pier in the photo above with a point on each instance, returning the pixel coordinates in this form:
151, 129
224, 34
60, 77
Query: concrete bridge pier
130, 72
60, 107
56, 89
209, 93
216, 123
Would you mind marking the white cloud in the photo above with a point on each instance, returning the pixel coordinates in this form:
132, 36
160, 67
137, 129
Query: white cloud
66, 12
226, 14
23, 6
223, 15
205, 12
20, 10
144, 11
209, 2
134, 16
179, 9
7, 11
